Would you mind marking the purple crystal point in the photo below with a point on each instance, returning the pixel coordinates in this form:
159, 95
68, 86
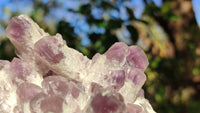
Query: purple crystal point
48, 48
137, 58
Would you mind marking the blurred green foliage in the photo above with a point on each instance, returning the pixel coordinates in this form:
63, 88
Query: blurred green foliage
168, 34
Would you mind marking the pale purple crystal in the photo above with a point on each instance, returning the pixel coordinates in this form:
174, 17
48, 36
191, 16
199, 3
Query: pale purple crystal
26, 91
106, 102
134, 108
48, 48
118, 52
52, 104
49, 76
137, 58
137, 76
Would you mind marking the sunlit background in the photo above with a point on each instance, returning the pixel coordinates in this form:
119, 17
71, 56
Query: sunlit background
167, 30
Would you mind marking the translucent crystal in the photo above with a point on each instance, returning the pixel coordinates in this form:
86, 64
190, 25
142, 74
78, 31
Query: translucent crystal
106, 102
26, 91
49, 76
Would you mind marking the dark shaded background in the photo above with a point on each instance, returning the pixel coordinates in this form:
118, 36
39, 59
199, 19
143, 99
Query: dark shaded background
167, 30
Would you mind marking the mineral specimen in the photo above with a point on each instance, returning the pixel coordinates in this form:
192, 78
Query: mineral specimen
50, 77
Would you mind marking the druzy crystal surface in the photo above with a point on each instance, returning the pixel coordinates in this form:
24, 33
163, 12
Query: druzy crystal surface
50, 77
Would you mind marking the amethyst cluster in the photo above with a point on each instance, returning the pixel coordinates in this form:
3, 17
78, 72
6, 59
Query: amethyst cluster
50, 77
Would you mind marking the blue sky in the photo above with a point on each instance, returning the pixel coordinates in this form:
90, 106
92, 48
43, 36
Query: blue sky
25, 6
196, 8
78, 21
